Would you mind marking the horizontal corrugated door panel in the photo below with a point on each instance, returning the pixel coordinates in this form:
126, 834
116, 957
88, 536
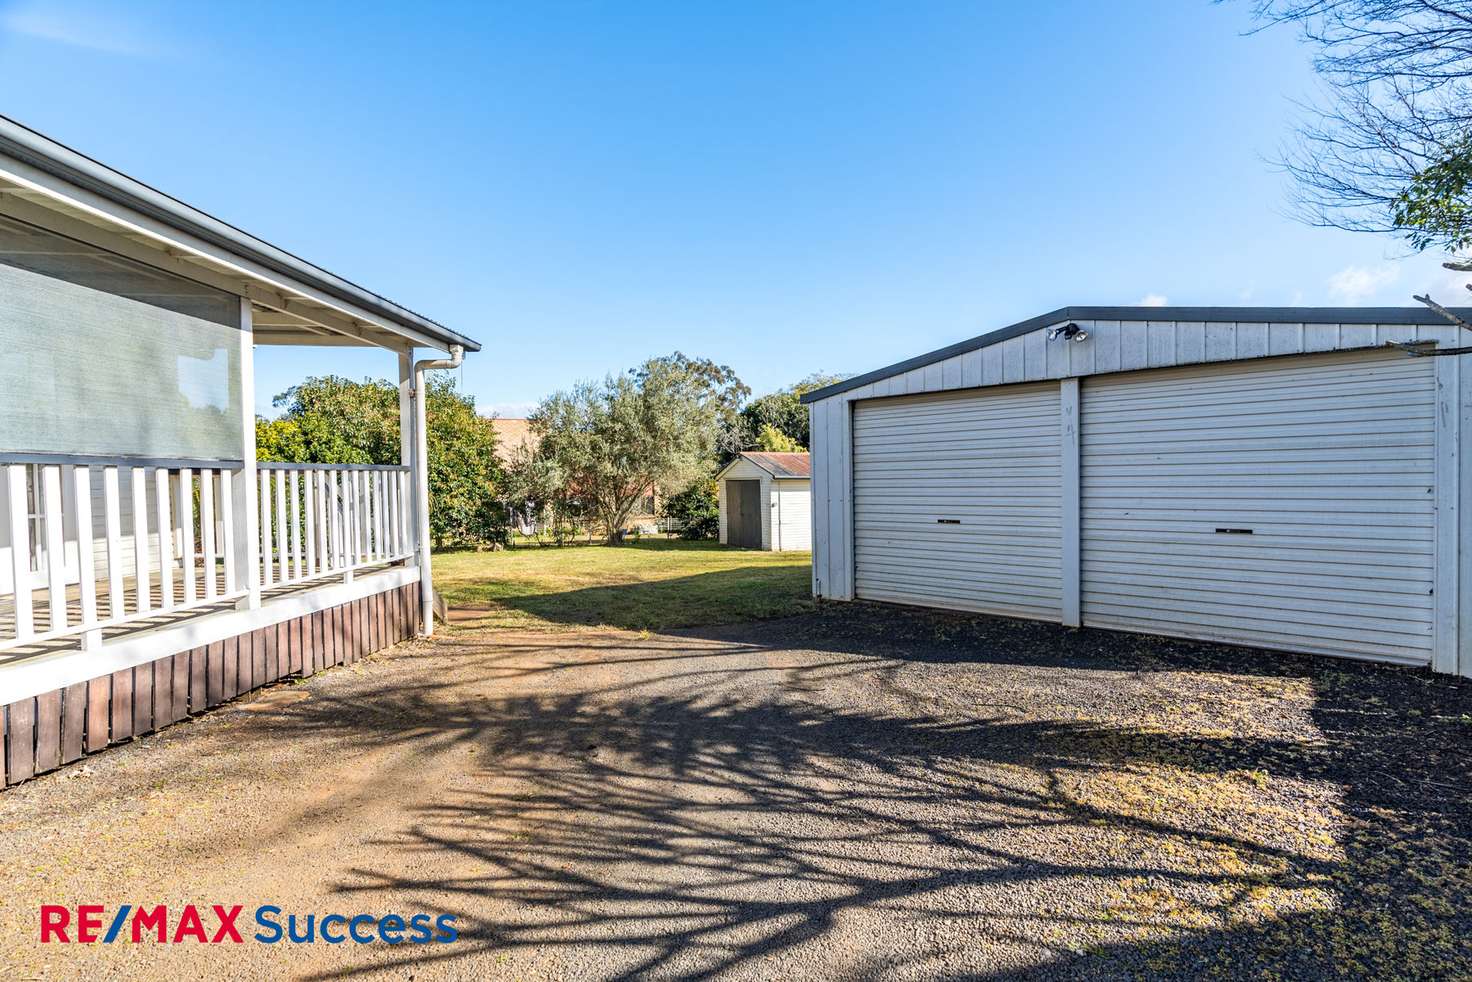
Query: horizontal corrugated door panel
956, 500
1327, 459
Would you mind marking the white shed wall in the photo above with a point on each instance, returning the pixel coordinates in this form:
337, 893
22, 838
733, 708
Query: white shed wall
792, 508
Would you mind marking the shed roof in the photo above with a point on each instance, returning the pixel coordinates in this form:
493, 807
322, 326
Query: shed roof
37, 158
1209, 315
781, 465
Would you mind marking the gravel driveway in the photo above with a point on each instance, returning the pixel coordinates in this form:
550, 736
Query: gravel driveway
860, 792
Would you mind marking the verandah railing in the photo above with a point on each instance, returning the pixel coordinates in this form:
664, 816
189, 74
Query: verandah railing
88, 544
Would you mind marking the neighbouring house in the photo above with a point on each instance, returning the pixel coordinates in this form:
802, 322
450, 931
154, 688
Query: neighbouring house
766, 502
1273, 477
513, 435
150, 568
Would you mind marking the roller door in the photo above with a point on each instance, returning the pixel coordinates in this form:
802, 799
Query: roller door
1285, 503
956, 500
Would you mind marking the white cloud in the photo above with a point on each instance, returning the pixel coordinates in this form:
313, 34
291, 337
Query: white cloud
1151, 300
1356, 284
92, 26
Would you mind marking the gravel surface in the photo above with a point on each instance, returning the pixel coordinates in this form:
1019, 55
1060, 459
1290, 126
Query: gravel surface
860, 792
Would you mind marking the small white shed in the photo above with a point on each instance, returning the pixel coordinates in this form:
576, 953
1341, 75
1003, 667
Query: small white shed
1285, 478
766, 501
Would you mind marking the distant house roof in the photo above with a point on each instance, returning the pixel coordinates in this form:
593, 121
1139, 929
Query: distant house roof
783, 465
511, 434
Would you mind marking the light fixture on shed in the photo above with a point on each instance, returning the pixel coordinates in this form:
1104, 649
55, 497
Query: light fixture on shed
1068, 332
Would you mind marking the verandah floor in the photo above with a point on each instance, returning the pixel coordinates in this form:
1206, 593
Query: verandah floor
155, 619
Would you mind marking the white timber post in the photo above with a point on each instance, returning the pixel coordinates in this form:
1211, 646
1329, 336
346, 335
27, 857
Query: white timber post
1446, 643
244, 490
409, 454
1068, 393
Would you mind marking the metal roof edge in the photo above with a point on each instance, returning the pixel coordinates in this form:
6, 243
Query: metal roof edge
1213, 315
64, 163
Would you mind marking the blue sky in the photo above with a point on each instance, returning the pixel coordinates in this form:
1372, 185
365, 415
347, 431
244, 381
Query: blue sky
786, 188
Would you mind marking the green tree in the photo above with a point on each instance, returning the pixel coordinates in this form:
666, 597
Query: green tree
333, 420
660, 424
783, 411
696, 510
774, 440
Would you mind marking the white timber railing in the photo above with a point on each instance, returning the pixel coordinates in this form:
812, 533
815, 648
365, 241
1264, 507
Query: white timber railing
320, 520
88, 544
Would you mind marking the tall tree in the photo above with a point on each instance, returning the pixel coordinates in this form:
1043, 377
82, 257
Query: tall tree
783, 411
333, 420
659, 424
1386, 149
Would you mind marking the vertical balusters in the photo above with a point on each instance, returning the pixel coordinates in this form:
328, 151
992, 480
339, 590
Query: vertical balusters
283, 571
354, 483
344, 497
265, 497
20, 549
207, 531
227, 526
391, 491
309, 531
165, 521
406, 529
380, 544
296, 533
339, 549
186, 534
113, 528
86, 555
142, 582
49, 477
324, 558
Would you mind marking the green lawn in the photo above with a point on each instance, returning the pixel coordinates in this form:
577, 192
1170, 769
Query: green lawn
651, 585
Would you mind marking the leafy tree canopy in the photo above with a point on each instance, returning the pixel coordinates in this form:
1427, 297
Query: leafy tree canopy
783, 411
774, 440
659, 424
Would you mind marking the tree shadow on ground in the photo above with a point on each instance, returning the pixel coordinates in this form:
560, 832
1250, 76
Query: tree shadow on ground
1020, 812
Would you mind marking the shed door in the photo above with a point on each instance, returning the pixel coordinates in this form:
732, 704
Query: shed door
956, 500
744, 523
1284, 503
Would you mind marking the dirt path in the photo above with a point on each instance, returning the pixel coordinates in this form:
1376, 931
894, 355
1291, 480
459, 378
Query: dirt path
879, 795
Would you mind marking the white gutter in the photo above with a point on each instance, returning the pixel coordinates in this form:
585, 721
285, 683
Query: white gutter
421, 478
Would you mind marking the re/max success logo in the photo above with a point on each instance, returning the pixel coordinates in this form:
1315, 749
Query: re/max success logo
93, 923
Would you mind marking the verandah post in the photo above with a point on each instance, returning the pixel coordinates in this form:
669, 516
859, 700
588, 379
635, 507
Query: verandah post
246, 517
408, 454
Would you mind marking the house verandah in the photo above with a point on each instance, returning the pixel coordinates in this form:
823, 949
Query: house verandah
150, 568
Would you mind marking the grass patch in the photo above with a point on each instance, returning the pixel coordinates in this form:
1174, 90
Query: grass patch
646, 586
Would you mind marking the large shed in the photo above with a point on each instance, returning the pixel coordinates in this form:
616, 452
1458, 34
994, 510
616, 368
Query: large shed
766, 501
1285, 478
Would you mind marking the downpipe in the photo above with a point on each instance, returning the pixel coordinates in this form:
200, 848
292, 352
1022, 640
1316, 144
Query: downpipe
421, 479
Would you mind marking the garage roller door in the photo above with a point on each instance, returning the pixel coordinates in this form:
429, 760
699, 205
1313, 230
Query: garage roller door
956, 500
1284, 503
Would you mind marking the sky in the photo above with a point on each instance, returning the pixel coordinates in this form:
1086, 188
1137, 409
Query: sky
784, 188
